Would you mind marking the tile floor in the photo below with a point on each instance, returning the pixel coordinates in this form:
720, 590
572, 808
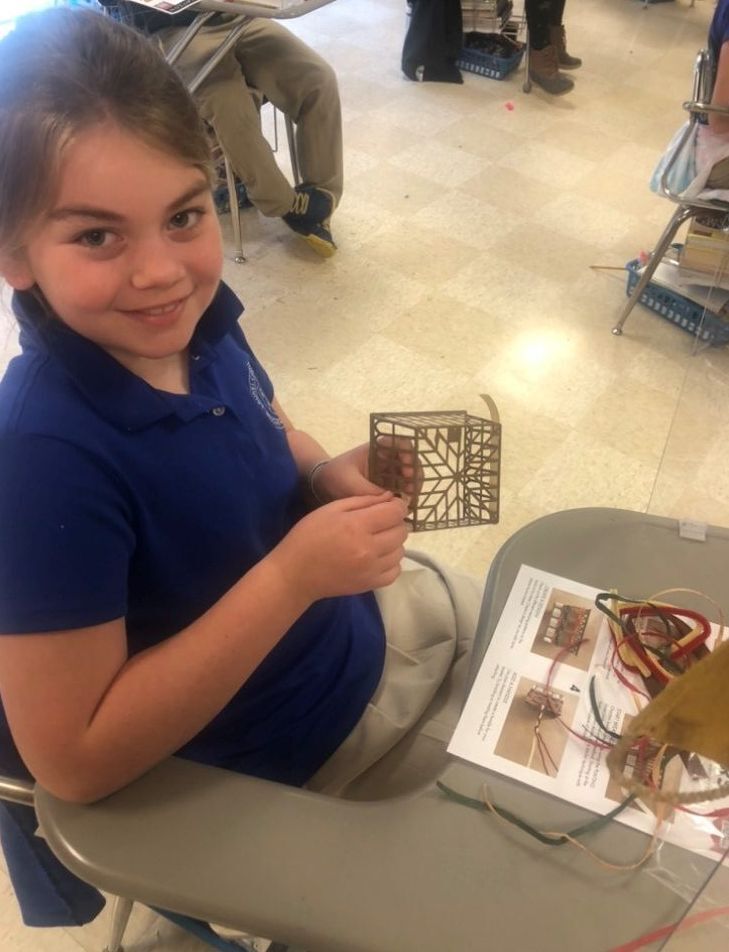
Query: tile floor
466, 236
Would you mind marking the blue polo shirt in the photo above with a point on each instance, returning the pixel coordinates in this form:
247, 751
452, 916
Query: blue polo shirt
117, 499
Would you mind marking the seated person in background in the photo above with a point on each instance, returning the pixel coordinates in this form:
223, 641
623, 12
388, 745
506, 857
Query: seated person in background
275, 63
713, 142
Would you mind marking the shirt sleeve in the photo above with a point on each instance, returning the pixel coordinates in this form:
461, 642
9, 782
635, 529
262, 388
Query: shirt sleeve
66, 538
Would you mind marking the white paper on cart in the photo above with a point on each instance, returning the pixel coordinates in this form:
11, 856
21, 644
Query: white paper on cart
509, 722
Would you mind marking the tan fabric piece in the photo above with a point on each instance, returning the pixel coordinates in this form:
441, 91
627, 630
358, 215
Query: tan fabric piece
430, 616
691, 713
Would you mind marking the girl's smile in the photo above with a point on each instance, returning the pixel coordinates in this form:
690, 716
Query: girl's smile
137, 230
162, 315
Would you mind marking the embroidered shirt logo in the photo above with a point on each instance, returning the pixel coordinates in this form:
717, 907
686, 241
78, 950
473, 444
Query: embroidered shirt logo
261, 399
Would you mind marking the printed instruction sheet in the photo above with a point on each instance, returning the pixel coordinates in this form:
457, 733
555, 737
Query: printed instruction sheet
531, 692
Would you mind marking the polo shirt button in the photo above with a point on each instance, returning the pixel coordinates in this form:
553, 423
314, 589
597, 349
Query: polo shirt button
218, 411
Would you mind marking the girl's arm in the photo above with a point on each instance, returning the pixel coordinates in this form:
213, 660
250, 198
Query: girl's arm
343, 475
720, 94
87, 719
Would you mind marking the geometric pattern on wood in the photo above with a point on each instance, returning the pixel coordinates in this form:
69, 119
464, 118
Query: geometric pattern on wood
446, 462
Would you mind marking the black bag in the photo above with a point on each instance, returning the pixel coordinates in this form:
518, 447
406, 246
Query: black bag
433, 41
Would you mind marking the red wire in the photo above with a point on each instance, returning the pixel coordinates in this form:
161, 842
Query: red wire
592, 741
650, 937
717, 814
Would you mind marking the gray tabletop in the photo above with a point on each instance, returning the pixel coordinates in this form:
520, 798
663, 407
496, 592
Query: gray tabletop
417, 873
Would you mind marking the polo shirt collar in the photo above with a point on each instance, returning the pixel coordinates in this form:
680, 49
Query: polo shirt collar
116, 393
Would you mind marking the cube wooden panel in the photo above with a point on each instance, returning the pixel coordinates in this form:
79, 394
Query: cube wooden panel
458, 457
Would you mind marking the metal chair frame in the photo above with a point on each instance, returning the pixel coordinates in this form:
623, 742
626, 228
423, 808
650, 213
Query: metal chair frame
699, 105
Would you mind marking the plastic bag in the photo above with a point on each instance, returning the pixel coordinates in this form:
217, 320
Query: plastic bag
683, 171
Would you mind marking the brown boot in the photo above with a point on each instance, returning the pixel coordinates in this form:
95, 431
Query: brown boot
543, 71
558, 38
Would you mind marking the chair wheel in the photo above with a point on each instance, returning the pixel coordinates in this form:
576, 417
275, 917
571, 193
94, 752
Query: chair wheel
618, 331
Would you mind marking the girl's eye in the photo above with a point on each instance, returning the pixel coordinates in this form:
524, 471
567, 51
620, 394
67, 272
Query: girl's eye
187, 218
97, 238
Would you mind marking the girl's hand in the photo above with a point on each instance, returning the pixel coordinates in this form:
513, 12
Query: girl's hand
345, 547
395, 465
344, 476
348, 474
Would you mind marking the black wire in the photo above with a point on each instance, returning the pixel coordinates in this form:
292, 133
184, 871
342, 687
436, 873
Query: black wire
596, 711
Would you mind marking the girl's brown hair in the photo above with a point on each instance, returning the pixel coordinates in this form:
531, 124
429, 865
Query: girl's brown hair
63, 71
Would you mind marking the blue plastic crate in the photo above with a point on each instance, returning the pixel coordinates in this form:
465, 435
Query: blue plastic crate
488, 64
685, 313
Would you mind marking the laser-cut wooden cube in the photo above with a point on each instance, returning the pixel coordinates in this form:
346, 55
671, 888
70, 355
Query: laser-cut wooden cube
446, 462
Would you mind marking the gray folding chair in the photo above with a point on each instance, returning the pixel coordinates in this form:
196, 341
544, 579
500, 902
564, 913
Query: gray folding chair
22, 792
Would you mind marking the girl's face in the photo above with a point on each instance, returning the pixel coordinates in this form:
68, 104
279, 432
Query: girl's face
130, 254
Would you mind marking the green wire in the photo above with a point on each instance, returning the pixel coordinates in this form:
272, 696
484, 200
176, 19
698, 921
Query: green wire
545, 838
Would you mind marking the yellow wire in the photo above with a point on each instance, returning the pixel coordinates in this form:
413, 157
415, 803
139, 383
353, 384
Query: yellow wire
615, 867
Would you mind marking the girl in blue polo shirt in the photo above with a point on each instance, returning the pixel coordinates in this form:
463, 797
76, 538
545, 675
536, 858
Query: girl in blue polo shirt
163, 587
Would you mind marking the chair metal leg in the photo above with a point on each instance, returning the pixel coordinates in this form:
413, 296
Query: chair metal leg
120, 912
682, 213
527, 84
291, 137
291, 141
238, 257
275, 128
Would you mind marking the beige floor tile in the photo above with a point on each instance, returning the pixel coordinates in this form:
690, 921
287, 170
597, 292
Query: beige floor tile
464, 219
549, 164
441, 164
393, 374
389, 194
379, 140
422, 253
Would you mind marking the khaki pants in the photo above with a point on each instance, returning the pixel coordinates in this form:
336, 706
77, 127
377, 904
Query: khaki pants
267, 61
719, 175
430, 616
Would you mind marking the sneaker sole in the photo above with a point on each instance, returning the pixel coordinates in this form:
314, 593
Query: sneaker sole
325, 249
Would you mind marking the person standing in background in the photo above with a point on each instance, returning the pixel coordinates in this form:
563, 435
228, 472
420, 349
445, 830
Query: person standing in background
548, 46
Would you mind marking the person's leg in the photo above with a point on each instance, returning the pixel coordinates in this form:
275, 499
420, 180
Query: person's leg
304, 87
543, 58
400, 742
558, 38
537, 15
719, 175
226, 103
556, 14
